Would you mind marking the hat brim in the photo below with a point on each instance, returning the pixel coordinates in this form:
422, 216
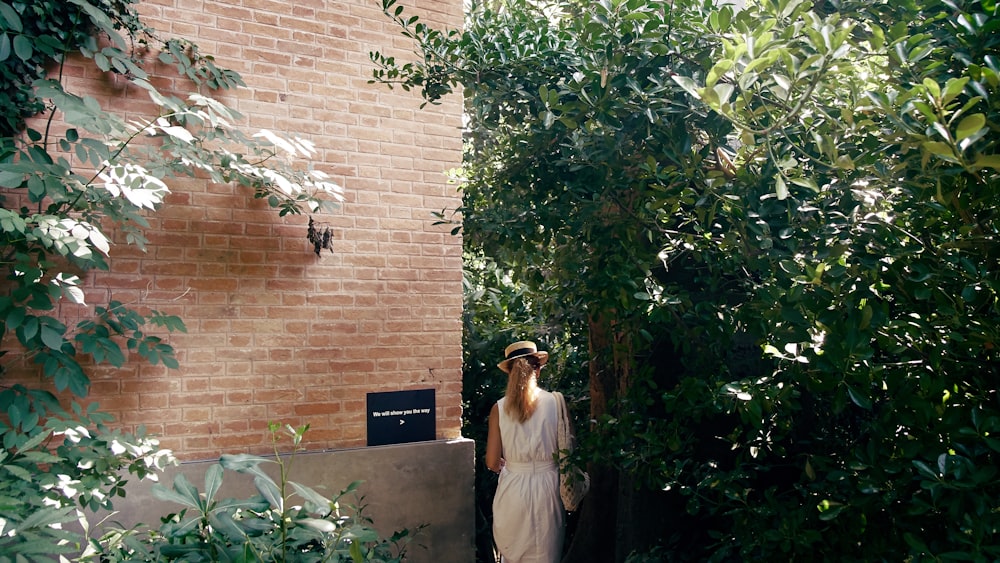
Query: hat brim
542, 356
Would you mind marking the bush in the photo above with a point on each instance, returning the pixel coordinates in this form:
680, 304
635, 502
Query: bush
266, 527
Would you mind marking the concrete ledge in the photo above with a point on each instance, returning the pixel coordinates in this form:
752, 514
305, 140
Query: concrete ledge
405, 485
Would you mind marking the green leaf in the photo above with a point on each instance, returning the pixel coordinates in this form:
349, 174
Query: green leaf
22, 47
805, 183
30, 327
351, 487
10, 18
40, 457
11, 178
939, 148
184, 493
179, 531
15, 317
4, 46
213, 480
102, 62
319, 504
780, 189
48, 516
724, 92
255, 503
993, 444
223, 522
163, 493
361, 534
829, 510
52, 337
969, 126
36, 187
925, 470
953, 87
245, 463
323, 526
988, 161
356, 553
102, 21
18, 471
688, 85
761, 62
35, 441
859, 398
717, 71
725, 16
269, 489
932, 87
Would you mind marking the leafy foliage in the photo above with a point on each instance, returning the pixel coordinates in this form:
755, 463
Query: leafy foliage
265, 527
34, 33
37, 33
85, 463
788, 214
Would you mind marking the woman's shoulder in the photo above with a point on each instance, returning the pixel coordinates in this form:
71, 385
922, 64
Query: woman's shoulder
551, 396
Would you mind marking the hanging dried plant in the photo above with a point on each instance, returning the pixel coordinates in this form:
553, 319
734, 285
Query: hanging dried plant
319, 240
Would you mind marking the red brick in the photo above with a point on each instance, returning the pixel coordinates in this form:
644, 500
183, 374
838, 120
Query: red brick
276, 332
188, 399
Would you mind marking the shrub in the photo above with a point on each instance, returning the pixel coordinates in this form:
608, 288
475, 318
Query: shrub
265, 527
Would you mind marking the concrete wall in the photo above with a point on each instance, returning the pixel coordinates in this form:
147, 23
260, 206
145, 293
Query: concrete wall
405, 485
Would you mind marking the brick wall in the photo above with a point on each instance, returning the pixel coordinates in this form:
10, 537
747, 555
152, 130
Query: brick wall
276, 332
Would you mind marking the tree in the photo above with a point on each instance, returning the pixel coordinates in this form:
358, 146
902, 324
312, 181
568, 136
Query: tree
691, 187
76, 175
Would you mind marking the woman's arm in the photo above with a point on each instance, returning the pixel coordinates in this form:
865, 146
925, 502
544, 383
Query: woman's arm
494, 446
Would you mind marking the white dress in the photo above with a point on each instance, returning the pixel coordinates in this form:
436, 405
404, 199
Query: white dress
528, 516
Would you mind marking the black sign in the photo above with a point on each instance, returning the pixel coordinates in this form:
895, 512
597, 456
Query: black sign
398, 417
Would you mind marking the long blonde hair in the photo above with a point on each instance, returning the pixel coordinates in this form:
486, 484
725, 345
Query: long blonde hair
522, 388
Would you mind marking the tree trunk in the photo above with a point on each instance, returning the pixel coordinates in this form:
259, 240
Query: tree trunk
596, 531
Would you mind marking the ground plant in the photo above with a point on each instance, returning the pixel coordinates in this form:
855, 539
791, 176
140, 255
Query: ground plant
775, 227
267, 527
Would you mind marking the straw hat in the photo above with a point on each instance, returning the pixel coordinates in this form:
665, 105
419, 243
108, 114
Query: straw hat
519, 350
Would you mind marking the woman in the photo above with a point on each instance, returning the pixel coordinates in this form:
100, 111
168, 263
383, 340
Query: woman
528, 514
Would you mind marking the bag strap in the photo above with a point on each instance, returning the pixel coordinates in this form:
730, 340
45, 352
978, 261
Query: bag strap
564, 434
